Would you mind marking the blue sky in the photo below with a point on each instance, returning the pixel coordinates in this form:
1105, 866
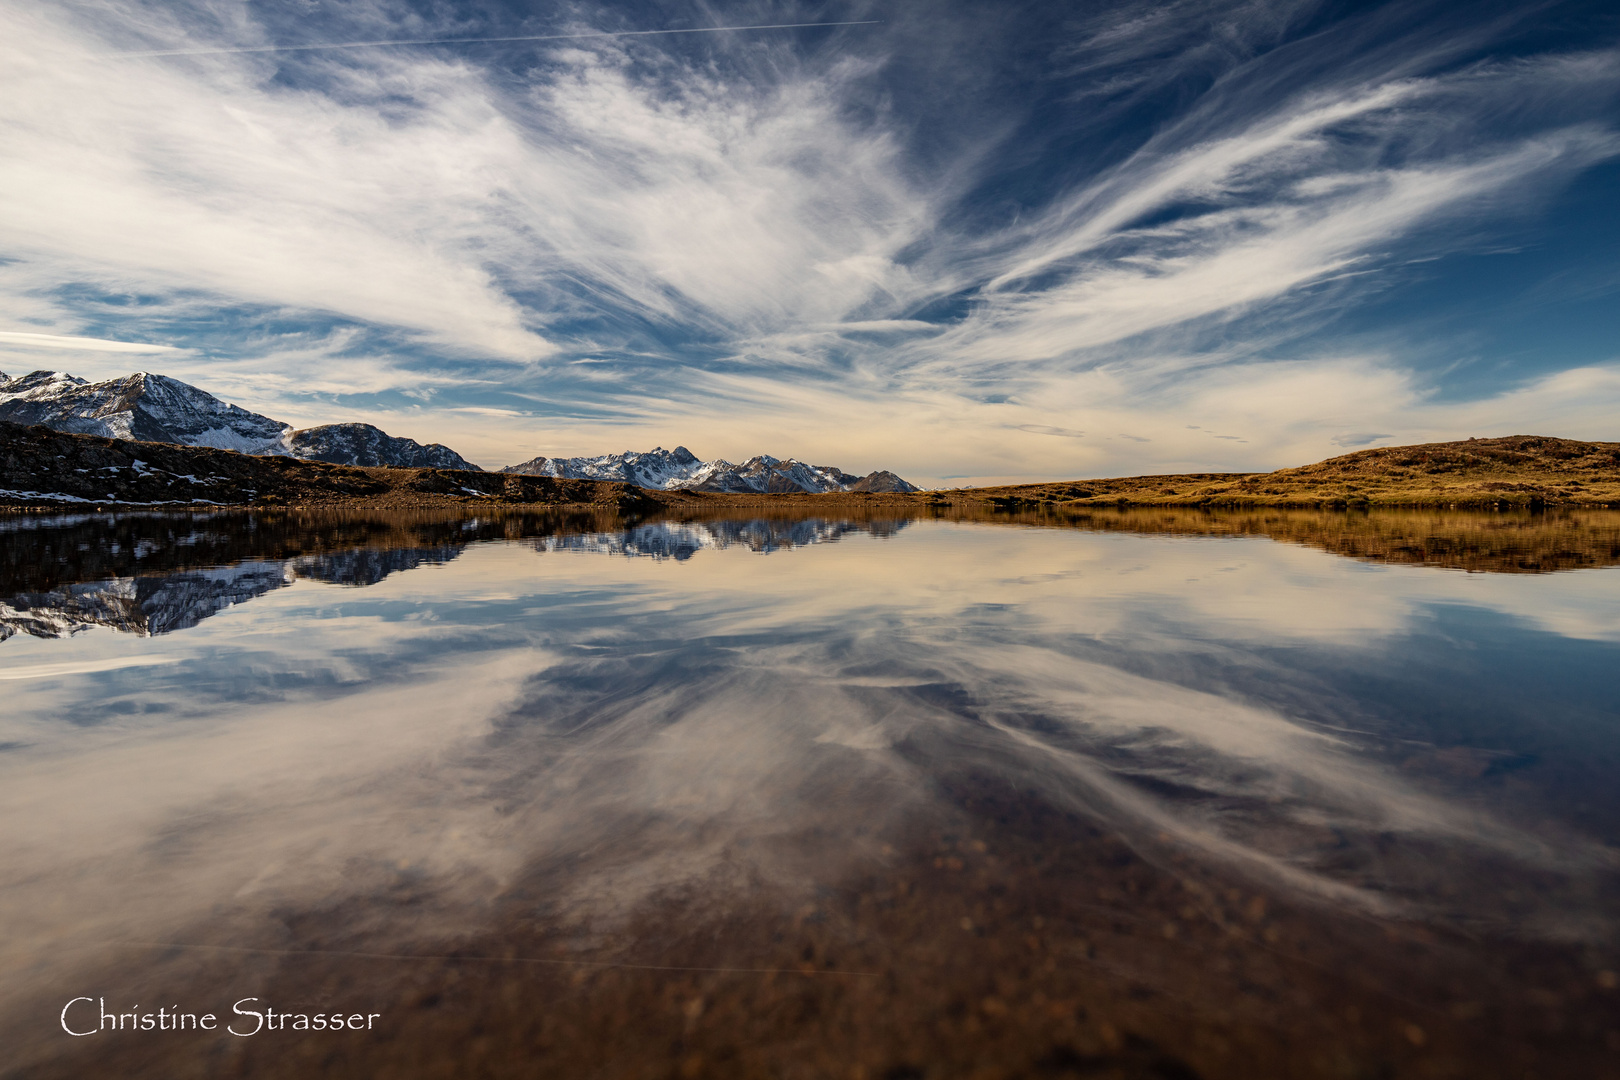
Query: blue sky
967, 242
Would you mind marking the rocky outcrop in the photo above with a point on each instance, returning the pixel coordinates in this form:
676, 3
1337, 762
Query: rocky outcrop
884, 481
363, 444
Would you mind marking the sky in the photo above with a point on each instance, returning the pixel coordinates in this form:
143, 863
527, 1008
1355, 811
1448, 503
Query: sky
967, 242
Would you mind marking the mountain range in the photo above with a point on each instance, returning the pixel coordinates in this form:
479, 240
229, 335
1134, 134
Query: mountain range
681, 470
156, 408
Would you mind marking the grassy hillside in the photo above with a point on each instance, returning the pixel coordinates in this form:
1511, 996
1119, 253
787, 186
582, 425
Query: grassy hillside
1520, 470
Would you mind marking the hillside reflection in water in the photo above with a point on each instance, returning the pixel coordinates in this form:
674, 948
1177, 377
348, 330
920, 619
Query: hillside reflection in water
1147, 792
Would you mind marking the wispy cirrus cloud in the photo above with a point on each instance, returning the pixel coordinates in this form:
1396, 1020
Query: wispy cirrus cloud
1058, 222
23, 340
418, 192
1320, 186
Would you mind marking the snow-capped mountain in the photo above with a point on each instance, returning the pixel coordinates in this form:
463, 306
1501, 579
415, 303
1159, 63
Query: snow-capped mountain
660, 468
155, 408
143, 407
765, 473
681, 470
362, 444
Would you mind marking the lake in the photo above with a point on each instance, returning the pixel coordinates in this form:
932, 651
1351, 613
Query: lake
1130, 793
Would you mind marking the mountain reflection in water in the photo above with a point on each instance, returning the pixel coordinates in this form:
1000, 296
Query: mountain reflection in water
1144, 794
149, 601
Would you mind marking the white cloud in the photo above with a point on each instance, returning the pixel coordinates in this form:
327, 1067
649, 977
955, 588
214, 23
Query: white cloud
236, 798
415, 193
136, 175
57, 341
775, 210
1273, 224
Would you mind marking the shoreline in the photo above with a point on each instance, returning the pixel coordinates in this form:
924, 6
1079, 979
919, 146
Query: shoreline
1003, 500
93, 474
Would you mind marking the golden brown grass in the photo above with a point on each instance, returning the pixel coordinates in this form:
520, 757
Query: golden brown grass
1520, 470
1517, 471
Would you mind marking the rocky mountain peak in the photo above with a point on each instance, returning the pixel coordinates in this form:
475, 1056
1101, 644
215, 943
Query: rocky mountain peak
143, 406
363, 444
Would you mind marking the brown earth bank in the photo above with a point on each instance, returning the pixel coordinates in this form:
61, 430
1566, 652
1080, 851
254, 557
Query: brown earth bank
45, 469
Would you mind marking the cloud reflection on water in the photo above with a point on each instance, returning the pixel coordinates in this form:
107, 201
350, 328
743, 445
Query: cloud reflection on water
637, 723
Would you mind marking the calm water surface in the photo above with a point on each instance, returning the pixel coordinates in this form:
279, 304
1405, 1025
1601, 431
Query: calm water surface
1146, 796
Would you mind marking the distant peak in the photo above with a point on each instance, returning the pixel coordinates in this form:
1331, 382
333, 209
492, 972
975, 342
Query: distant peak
680, 469
41, 378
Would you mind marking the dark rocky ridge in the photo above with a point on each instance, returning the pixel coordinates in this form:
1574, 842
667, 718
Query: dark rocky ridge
883, 481
363, 444
39, 466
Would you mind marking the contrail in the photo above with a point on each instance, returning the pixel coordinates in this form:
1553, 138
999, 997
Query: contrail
475, 41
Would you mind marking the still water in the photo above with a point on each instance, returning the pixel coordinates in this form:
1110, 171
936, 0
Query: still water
1134, 795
